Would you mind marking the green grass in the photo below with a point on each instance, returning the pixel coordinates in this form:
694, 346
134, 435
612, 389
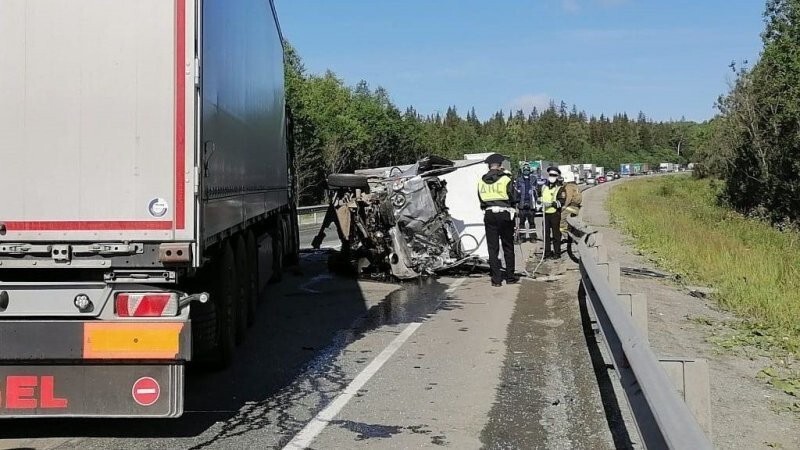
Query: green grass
755, 269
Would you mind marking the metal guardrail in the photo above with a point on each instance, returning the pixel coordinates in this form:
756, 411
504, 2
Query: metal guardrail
311, 209
311, 215
664, 418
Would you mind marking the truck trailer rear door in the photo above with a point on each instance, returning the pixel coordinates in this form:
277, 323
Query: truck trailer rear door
96, 120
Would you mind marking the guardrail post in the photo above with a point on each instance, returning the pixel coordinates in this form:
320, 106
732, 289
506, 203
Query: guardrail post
636, 304
692, 380
601, 253
612, 272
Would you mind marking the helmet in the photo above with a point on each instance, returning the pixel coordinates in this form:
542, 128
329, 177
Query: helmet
554, 171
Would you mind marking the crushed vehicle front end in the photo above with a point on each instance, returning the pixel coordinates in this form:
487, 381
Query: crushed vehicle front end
395, 221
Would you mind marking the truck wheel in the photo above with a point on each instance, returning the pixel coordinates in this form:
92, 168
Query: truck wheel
204, 320
277, 253
288, 240
293, 253
243, 282
225, 297
251, 251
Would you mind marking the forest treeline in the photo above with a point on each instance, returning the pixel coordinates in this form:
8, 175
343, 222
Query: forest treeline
340, 128
754, 142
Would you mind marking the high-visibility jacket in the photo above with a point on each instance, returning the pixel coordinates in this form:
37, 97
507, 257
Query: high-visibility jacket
553, 194
496, 189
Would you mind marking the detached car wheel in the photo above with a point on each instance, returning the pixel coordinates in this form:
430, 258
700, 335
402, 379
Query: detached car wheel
348, 180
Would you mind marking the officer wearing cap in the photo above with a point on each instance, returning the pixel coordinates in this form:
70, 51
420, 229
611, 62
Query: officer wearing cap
497, 196
553, 199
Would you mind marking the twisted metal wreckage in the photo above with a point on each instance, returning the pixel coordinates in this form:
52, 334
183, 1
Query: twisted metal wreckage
397, 220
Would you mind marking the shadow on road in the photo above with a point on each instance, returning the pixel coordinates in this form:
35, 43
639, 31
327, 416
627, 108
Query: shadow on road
297, 320
303, 326
613, 413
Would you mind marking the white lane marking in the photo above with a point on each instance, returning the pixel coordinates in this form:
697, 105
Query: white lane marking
313, 429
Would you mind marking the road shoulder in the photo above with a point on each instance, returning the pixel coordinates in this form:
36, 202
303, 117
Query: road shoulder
549, 396
745, 410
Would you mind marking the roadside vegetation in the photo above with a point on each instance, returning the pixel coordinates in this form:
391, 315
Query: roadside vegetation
754, 268
753, 147
754, 142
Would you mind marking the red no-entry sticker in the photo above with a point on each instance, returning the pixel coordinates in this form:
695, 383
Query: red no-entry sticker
146, 391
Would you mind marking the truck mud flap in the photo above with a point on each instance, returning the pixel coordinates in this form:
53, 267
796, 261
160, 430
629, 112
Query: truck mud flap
91, 391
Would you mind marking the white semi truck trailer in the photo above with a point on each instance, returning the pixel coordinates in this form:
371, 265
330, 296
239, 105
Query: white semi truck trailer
146, 196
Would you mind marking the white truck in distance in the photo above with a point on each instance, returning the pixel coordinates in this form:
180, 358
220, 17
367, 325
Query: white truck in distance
146, 198
567, 168
668, 167
588, 171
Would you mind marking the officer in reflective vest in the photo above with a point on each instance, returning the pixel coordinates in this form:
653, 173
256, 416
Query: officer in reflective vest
553, 199
498, 200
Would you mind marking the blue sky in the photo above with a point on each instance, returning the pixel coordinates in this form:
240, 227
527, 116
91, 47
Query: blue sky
667, 58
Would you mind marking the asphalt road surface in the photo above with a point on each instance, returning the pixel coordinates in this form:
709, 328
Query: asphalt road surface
308, 232
337, 363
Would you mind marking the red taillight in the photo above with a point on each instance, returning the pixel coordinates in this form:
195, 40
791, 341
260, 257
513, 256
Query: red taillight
146, 304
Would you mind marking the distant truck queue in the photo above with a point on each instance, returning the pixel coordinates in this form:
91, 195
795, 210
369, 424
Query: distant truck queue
593, 174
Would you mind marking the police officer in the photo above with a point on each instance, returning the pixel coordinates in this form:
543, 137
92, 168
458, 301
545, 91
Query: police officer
553, 199
526, 193
498, 200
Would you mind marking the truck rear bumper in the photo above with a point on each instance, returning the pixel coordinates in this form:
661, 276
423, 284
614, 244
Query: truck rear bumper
95, 340
90, 390
93, 368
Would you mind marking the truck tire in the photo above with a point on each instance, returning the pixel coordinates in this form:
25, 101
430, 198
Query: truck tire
204, 321
288, 240
293, 254
278, 253
225, 295
348, 180
243, 282
251, 249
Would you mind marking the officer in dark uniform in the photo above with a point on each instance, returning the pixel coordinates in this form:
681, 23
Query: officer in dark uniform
526, 195
497, 196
